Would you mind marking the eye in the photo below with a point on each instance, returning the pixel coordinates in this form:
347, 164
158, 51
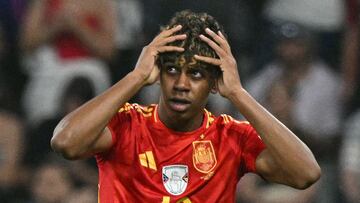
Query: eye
197, 74
171, 70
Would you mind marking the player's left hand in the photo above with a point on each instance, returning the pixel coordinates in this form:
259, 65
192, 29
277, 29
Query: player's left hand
229, 83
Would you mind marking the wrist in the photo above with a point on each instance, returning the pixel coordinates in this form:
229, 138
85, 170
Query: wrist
139, 76
237, 94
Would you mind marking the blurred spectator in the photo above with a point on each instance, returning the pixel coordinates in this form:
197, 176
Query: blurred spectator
350, 162
252, 189
83, 195
325, 18
304, 93
63, 39
349, 166
311, 87
12, 79
12, 176
51, 183
78, 91
129, 37
350, 61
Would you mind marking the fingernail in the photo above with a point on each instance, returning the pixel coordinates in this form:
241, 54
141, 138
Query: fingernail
178, 26
207, 29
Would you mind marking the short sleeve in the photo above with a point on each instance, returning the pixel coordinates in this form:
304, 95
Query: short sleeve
251, 145
119, 122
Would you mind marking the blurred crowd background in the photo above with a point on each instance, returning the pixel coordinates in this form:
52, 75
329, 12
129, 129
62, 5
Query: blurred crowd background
300, 59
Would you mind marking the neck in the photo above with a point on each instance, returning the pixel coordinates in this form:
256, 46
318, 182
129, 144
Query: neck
177, 121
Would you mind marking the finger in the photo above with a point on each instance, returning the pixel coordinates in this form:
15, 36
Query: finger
221, 35
220, 40
227, 45
163, 49
209, 60
213, 45
170, 31
173, 38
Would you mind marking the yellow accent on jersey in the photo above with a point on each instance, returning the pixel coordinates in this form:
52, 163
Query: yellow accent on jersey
145, 111
151, 160
184, 200
143, 160
210, 119
241, 122
98, 193
166, 199
225, 119
127, 106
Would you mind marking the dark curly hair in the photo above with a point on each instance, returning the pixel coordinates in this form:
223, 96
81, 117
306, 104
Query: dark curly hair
193, 25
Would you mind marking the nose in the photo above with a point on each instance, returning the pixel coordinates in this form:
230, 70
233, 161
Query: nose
182, 83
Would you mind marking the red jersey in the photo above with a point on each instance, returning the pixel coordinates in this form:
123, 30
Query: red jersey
152, 163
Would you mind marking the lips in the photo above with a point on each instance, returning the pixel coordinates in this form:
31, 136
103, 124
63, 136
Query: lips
179, 104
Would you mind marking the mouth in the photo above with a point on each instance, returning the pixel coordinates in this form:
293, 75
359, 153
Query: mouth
179, 105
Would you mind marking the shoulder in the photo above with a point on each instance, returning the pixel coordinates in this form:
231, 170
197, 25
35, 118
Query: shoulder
136, 110
232, 125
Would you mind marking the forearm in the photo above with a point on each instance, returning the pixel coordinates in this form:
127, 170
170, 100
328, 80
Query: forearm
289, 153
77, 132
83, 132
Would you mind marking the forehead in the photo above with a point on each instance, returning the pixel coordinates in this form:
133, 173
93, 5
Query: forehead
183, 61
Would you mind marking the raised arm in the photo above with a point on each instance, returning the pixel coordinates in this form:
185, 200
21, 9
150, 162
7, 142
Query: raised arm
83, 132
286, 159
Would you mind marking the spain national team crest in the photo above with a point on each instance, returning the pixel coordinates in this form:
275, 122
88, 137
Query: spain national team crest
175, 178
204, 158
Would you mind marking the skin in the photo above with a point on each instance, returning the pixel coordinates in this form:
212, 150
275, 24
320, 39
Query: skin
189, 85
286, 159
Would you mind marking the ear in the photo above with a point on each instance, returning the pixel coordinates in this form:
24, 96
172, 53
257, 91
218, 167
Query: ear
214, 88
158, 79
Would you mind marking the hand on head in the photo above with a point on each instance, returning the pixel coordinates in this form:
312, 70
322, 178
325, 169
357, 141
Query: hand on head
230, 80
146, 65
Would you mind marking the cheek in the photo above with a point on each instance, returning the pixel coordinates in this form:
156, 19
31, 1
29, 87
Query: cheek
203, 91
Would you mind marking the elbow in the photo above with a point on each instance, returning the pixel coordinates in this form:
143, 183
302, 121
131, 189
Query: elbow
61, 143
311, 176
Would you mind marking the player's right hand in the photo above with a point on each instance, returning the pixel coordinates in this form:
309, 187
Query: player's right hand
146, 65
